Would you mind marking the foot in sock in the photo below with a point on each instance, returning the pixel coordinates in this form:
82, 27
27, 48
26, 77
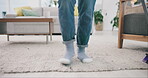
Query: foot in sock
82, 56
69, 54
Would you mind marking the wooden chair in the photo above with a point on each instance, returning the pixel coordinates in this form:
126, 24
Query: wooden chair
129, 28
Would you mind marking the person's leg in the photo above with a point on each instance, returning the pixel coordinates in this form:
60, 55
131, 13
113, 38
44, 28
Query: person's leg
86, 10
66, 18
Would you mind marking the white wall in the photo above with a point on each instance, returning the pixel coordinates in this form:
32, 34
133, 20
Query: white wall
2, 6
16, 3
35, 3
109, 11
98, 5
45, 3
20, 3
9, 5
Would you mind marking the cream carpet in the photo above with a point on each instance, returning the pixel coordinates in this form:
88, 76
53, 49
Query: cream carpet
24, 54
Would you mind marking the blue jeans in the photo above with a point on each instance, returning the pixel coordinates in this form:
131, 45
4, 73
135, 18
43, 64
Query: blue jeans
66, 17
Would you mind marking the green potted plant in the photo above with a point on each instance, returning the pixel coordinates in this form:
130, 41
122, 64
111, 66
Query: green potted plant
98, 19
55, 2
115, 20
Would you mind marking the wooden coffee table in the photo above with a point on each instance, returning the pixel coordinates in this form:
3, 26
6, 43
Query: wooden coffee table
50, 20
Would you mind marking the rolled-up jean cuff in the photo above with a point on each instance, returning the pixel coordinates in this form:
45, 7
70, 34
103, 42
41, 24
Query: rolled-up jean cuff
66, 42
82, 45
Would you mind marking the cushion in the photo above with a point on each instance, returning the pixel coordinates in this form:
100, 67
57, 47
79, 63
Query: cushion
135, 24
38, 10
27, 12
19, 10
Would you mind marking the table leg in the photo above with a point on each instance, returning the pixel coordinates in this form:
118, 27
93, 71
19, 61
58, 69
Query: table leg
50, 36
50, 30
7, 37
120, 43
46, 39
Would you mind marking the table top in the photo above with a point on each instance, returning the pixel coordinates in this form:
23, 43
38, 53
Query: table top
26, 20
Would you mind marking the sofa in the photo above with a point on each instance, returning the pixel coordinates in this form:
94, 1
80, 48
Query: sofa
43, 12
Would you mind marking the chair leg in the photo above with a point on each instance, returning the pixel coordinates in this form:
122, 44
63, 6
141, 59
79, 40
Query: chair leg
120, 43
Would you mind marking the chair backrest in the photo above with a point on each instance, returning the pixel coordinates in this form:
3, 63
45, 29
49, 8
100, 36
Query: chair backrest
145, 8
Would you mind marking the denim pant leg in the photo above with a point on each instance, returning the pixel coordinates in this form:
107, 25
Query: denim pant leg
66, 18
86, 10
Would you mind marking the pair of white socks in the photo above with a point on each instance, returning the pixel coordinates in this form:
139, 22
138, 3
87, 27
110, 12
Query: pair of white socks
70, 53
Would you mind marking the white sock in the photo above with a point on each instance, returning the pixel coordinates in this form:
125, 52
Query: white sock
82, 56
69, 53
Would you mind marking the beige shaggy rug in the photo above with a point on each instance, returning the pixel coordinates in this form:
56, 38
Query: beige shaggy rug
24, 54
